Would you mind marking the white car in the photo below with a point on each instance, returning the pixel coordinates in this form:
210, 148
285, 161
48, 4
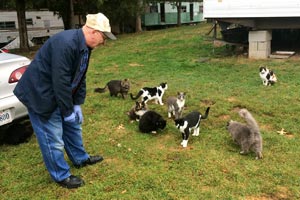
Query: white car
12, 68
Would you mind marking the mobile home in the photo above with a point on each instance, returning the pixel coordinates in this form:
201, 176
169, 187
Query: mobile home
165, 13
40, 26
261, 19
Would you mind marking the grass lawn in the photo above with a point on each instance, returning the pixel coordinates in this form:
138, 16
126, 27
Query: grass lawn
147, 166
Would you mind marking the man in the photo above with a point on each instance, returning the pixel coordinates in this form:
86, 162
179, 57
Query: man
53, 88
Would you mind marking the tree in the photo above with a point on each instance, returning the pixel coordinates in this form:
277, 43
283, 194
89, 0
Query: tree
127, 15
20, 6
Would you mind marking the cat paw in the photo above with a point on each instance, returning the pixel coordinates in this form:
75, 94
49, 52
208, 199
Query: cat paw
184, 143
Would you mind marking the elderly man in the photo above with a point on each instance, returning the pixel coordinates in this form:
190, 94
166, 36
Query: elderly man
53, 88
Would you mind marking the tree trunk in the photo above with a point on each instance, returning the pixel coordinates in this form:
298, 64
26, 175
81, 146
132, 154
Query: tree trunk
20, 6
72, 21
178, 13
138, 21
138, 24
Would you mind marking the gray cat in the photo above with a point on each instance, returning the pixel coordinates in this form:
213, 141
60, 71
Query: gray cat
115, 87
246, 135
176, 105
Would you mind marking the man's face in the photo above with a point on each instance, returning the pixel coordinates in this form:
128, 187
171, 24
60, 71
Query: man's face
97, 38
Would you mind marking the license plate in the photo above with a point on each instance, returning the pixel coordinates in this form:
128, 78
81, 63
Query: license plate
5, 117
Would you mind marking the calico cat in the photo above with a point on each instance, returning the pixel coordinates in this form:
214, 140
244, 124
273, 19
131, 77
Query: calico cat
115, 87
137, 110
155, 93
188, 123
246, 135
267, 76
176, 105
151, 122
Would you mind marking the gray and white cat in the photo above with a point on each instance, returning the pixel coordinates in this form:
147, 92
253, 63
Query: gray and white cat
137, 110
115, 87
188, 123
247, 136
176, 105
155, 93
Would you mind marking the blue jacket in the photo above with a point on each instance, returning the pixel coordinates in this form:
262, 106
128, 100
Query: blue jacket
47, 82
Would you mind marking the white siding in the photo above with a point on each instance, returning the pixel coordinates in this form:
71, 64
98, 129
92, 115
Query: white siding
251, 8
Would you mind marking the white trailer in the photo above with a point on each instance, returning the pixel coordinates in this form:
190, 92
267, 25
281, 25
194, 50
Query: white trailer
258, 17
250, 9
40, 25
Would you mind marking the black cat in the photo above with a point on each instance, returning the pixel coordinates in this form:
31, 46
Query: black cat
17, 133
151, 121
115, 87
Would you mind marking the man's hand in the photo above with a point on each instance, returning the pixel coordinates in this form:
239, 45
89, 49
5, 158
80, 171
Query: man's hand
78, 113
71, 118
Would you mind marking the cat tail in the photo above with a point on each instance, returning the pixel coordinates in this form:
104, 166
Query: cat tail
100, 90
244, 113
137, 96
206, 113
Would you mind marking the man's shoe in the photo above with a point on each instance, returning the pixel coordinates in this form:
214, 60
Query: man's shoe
90, 161
71, 182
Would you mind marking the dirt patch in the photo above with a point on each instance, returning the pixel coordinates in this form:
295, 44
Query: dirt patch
224, 117
135, 65
208, 102
281, 194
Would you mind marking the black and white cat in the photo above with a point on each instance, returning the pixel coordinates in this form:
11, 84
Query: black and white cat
151, 122
137, 111
188, 123
267, 76
176, 105
155, 93
115, 87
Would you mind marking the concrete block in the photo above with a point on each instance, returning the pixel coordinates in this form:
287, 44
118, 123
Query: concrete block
253, 46
263, 46
259, 36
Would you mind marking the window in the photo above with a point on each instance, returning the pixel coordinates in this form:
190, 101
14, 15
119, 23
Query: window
29, 21
183, 8
7, 25
201, 9
153, 8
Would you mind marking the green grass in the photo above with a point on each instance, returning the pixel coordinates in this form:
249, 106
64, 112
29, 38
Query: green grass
142, 166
